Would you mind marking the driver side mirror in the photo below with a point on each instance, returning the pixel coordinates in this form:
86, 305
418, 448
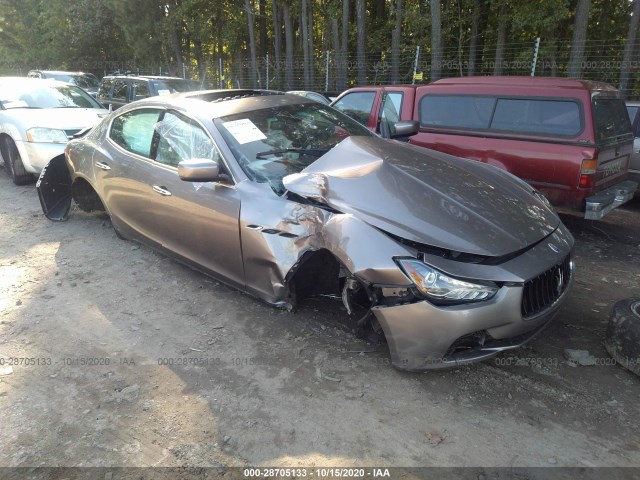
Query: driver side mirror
405, 129
200, 170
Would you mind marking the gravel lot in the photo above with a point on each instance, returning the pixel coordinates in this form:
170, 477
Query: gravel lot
122, 357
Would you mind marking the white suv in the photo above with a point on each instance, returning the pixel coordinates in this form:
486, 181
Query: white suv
37, 119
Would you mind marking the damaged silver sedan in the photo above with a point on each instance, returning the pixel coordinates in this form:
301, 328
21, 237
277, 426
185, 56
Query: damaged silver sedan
450, 261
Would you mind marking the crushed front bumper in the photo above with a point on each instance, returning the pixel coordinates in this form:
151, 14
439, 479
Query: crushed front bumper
603, 202
423, 336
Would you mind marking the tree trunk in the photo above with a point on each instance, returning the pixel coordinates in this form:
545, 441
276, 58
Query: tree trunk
395, 44
252, 44
336, 51
262, 28
436, 40
502, 38
361, 27
288, 40
579, 37
277, 40
202, 65
342, 84
625, 71
310, 44
473, 42
176, 46
305, 44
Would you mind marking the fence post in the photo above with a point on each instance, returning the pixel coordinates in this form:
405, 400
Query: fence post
415, 65
535, 57
326, 73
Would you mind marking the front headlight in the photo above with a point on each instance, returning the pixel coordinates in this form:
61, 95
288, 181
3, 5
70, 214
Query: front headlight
47, 135
443, 289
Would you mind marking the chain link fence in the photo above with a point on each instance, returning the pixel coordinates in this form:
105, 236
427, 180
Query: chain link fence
329, 72
602, 61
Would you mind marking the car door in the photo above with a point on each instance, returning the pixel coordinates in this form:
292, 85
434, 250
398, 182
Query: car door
120, 93
123, 169
197, 220
361, 105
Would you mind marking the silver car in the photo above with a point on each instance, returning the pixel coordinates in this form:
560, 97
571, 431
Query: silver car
451, 261
37, 119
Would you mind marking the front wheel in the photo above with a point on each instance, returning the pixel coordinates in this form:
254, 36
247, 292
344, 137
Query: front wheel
13, 164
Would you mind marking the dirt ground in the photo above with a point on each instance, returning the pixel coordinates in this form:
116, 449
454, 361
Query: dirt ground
122, 357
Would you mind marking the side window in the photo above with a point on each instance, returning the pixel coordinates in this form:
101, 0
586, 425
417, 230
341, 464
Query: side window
182, 139
140, 90
392, 106
105, 88
120, 89
389, 113
546, 117
456, 111
357, 105
133, 131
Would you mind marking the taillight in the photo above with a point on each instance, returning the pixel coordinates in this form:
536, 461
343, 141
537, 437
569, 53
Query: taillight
588, 172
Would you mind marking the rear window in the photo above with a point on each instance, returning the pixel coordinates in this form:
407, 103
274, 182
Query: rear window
611, 120
461, 111
529, 116
632, 110
544, 117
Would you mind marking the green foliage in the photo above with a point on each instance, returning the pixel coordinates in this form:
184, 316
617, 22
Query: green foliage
150, 35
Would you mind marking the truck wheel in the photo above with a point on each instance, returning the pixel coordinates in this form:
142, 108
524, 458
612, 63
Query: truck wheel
623, 334
14, 165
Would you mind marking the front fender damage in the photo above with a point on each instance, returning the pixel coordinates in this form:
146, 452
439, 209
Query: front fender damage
308, 249
54, 189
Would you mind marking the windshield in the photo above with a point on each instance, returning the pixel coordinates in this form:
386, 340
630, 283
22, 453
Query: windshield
272, 143
83, 80
166, 87
44, 95
611, 120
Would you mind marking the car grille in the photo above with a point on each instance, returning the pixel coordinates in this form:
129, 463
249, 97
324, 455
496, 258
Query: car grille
542, 291
71, 133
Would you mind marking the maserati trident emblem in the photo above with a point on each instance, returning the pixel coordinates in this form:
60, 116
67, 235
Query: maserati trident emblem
553, 247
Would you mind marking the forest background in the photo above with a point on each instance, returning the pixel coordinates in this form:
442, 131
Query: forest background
325, 45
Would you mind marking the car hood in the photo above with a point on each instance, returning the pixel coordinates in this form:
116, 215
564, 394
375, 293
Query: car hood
62, 118
427, 197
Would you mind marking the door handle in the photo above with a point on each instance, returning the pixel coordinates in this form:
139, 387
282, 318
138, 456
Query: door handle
161, 190
103, 166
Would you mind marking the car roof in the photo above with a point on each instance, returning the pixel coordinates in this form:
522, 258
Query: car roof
32, 81
216, 103
59, 72
146, 77
526, 81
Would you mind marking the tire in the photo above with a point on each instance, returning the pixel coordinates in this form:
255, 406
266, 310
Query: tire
623, 334
13, 164
86, 198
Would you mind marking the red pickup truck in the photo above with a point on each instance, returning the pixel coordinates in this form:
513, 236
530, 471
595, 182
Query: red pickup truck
570, 139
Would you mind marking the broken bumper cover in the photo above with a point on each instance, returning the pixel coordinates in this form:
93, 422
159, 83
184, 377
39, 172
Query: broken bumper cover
423, 336
54, 189
602, 203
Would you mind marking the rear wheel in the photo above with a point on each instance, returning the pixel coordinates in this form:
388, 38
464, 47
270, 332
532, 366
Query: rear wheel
13, 163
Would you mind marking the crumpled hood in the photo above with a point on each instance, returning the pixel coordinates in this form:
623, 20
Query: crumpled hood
61, 118
427, 196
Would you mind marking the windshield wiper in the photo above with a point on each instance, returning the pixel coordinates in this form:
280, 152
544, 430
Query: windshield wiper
316, 152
